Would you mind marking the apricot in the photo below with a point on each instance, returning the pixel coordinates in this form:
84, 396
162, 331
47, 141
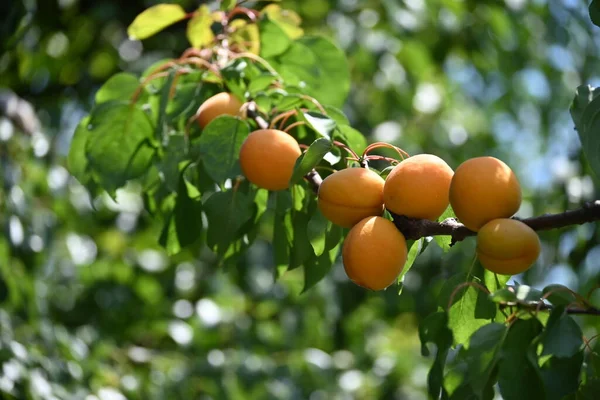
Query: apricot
268, 157
507, 246
483, 189
220, 104
374, 253
349, 195
418, 187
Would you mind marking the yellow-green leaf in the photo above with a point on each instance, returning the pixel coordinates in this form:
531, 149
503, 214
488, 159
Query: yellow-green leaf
246, 36
287, 20
199, 32
155, 19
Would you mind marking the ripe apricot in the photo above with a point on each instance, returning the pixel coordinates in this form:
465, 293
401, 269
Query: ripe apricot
418, 187
220, 104
483, 189
507, 246
347, 196
268, 157
374, 253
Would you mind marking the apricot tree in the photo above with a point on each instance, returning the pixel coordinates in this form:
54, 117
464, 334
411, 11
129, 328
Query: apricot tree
244, 131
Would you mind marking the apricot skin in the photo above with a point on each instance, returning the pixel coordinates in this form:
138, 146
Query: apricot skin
418, 187
374, 253
268, 157
220, 104
483, 189
347, 196
507, 246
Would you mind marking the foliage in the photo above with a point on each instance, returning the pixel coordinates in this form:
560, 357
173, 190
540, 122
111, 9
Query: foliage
136, 301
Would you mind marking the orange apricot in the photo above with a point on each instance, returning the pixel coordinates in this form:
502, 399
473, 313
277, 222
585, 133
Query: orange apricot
351, 194
220, 104
374, 253
483, 189
418, 187
507, 246
268, 157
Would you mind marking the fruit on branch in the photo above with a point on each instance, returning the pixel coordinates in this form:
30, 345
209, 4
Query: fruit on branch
374, 253
418, 187
347, 196
507, 246
483, 189
220, 104
268, 157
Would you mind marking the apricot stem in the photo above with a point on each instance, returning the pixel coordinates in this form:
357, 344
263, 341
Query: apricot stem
381, 158
283, 116
403, 154
348, 149
292, 126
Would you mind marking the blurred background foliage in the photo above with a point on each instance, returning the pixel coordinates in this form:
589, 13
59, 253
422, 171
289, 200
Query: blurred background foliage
92, 308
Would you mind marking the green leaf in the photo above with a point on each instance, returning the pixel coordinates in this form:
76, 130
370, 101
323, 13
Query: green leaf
353, 138
470, 310
119, 146
413, 251
273, 40
287, 19
594, 10
444, 241
310, 159
318, 66
558, 295
154, 19
317, 232
77, 162
589, 390
561, 375
503, 295
337, 115
562, 337
121, 86
161, 120
199, 32
226, 212
314, 272
302, 250
283, 231
519, 376
480, 359
188, 211
219, 147
261, 82
227, 5
434, 329
585, 111
320, 123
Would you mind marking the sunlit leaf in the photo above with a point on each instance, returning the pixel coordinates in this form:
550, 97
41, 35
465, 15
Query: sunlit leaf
121, 86
288, 20
155, 19
199, 32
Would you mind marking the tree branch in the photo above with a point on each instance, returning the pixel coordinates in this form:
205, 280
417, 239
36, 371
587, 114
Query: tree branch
548, 307
417, 228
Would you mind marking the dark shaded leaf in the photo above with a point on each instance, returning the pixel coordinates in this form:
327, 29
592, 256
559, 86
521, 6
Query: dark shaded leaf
219, 147
226, 212
434, 329
562, 337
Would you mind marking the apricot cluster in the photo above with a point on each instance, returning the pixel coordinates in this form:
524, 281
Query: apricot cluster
483, 192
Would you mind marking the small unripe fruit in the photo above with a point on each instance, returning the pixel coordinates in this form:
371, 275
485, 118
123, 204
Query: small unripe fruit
374, 253
483, 189
418, 187
268, 157
347, 196
220, 104
507, 246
